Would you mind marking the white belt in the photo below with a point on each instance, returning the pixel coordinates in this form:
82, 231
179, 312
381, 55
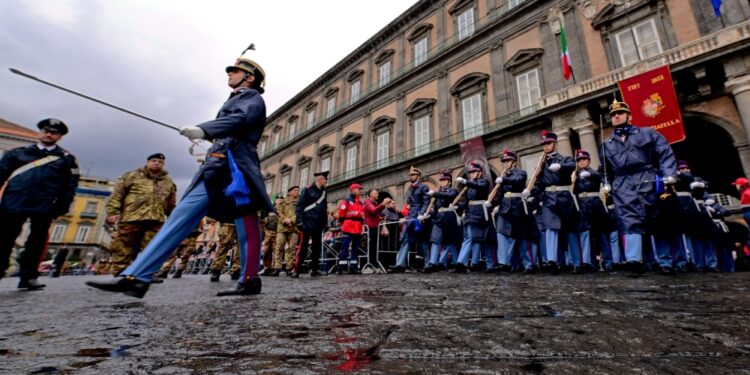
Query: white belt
684, 194
446, 209
555, 188
513, 195
589, 194
474, 203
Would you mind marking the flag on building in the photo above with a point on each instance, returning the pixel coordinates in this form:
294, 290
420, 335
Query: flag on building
717, 7
567, 69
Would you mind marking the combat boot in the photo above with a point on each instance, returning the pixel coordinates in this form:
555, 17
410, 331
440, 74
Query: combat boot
215, 276
30, 284
273, 273
235, 275
177, 274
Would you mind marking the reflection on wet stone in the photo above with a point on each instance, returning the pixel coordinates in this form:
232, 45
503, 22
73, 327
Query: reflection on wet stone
411, 323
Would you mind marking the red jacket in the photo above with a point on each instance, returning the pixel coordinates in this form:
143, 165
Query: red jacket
352, 215
745, 196
373, 212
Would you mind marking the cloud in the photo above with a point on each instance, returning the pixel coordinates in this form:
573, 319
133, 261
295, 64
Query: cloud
164, 60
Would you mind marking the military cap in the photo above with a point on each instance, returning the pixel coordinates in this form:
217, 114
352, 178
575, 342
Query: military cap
53, 124
413, 170
509, 156
475, 166
582, 154
446, 176
251, 67
548, 136
157, 155
292, 188
324, 174
681, 164
618, 107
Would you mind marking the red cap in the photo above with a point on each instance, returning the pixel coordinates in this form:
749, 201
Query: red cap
355, 186
742, 181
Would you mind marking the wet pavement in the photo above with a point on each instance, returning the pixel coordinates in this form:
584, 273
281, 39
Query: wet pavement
404, 324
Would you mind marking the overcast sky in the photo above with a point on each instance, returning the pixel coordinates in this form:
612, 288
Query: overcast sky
165, 60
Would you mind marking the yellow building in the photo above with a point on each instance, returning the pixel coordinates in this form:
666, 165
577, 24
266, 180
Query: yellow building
83, 229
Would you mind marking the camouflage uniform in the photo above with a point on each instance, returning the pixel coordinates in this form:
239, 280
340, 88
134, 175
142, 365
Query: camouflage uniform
184, 251
227, 241
143, 201
269, 239
286, 235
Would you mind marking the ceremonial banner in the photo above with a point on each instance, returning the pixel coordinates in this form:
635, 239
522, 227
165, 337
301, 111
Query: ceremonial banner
473, 149
653, 102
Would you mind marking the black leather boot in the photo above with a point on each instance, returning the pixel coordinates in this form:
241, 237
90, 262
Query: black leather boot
129, 285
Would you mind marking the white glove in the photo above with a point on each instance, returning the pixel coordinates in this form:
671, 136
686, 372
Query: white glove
606, 188
554, 167
696, 184
461, 180
426, 216
525, 193
451, 206
711, 209
487, 204
585, 174
193, 132
710, 202
529, 199
670, 180
499, 180
496, 210
420, 218
431, 192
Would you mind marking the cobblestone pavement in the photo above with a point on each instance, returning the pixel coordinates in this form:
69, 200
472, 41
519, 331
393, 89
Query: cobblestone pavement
405, 323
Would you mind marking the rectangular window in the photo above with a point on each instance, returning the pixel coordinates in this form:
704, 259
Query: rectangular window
420, 51
514, 3
269, 187
303, 176
385, 73
466, 24
331, 106
355, 90
58, 232
276, 139
325, 164
528, 91
638, 43
310, 119
351, 161
83, 233
284, 183
471, 108
292, 129
91, 207
262, 147
383, 149
422, 135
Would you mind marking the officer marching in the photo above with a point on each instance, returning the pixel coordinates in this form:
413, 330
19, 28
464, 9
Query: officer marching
476, 219
512, 216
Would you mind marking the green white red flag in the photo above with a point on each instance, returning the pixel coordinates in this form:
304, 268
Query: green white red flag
567, 68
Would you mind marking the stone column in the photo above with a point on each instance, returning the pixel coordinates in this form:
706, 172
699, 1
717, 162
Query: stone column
588, 142
743, 150
563, 142
740, 88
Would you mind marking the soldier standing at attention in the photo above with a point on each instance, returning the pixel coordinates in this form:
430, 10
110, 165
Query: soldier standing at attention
227, 242
411, 236
270, 225
228, 187
140, 203
41, 182
312, 217
287, 234
635, 156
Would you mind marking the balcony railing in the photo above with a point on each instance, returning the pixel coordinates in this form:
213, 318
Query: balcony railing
375, 86
88, 215
454, 139
720, 39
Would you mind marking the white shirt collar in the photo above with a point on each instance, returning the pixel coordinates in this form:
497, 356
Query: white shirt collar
43, 147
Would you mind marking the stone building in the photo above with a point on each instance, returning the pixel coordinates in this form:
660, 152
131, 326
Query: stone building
447, 71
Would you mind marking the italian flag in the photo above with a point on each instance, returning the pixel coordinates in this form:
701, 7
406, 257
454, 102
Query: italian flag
567, 69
